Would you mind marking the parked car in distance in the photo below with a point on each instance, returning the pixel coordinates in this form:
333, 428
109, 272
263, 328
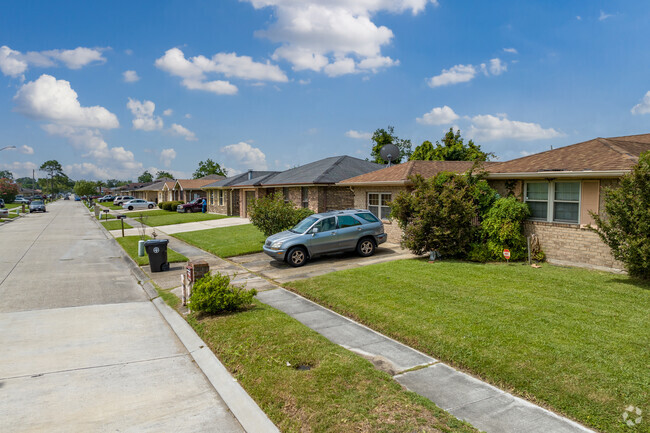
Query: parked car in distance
138, 203
77, 198
37, 206
67, 197
121, 199
4, 212
2, 203
325, 233
21, 200
106, 198
193, 206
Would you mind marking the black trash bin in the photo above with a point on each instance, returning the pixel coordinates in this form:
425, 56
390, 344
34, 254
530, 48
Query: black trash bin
157, 251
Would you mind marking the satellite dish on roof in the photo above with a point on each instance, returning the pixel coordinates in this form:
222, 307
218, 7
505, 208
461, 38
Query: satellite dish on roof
390, 153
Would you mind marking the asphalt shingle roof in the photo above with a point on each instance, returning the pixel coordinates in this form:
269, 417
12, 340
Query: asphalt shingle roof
599, 154
237, 179
323, 172
400, 173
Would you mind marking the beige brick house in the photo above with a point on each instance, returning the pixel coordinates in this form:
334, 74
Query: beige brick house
311, 185
561, 187
186, 190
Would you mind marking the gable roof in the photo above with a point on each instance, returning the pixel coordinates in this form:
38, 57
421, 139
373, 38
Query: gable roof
399, 174
158, 185
197, 183
169, 184
237, 179
600, 157
327, 171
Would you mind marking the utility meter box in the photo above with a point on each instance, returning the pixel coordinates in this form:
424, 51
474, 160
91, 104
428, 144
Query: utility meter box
196, 270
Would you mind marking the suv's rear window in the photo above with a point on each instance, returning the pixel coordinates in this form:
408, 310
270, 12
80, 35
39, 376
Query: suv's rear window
367, 216
347, 221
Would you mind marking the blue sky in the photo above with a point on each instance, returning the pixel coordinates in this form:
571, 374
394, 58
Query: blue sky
270, 84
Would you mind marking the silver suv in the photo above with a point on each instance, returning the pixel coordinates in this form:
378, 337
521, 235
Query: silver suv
328, 232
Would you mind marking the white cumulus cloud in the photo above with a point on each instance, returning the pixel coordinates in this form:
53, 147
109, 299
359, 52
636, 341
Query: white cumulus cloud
642, 107
497, 67
143, 117
27, 150
14, 63
167, 156
438, 116
334, 36
182, 131
244, 156
488, 128
168, 112
19, 169
130, 76
454, 75
194, 70
54, 100
358, 134
510, 50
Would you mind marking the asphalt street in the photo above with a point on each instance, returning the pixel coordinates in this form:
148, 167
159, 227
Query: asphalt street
83, 348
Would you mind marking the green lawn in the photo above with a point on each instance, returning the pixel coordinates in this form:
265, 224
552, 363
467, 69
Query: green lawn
574, 340
115, 225
226, 241
155, 218
111, 206
130, 245
341, 393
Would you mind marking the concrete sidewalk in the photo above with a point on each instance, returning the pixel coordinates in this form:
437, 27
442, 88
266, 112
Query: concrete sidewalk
480, 404
84, 348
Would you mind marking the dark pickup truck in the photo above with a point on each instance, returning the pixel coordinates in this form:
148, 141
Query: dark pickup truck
193, 206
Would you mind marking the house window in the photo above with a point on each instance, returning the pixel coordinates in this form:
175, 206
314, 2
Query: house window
537, 199
554, 201
304, 193
210, 197
220, 197
378, 204
285, 194
566, 203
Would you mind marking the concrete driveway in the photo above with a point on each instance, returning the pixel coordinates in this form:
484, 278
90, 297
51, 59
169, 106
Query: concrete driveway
281, 272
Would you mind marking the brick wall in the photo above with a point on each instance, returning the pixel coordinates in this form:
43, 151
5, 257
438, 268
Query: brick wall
572, 245
338, 198
361, 202
213, 197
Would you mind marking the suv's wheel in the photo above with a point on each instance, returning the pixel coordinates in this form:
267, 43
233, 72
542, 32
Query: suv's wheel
150, 206
297, 257
130, 207
185, 210
366, 247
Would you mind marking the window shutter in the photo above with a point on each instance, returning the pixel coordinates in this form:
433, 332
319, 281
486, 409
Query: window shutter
590, 200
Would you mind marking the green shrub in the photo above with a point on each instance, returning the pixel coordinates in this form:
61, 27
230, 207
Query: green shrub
272, 215
213, 294
160, 205
625, 227
479, 252
503, 227
437, 215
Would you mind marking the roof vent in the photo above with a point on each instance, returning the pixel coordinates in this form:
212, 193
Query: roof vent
250, 174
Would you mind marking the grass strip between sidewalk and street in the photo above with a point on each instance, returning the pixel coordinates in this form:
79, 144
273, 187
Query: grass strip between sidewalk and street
573, 340
155, 218
226, 241
340, 392
115, 225
130, 245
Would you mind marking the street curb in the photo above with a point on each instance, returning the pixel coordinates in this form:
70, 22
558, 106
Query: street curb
242, 406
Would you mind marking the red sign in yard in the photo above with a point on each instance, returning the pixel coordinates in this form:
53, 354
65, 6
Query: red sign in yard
506, 254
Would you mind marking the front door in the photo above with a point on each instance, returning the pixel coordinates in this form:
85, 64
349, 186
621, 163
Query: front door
250, 196
235, 203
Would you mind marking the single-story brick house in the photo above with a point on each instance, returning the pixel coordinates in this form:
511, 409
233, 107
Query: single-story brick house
222, 199
561, 187
152, 192
311, 185
186, 190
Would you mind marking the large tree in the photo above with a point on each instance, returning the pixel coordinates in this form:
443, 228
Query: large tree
163, 174
382, 137
145, 177
85, 187
209, 167
625, 225
53, 169
452, 148
6, 174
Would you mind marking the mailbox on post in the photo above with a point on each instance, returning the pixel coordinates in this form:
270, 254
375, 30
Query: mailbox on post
193, 272
121, 218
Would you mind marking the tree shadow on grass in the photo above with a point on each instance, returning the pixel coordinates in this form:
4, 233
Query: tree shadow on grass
641, 284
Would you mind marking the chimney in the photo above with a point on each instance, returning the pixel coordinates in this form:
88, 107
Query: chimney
250, 173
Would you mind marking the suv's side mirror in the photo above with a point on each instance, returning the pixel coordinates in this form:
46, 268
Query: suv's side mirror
314, 231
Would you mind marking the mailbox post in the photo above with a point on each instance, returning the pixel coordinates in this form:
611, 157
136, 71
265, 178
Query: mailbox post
121, 218
193, 272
